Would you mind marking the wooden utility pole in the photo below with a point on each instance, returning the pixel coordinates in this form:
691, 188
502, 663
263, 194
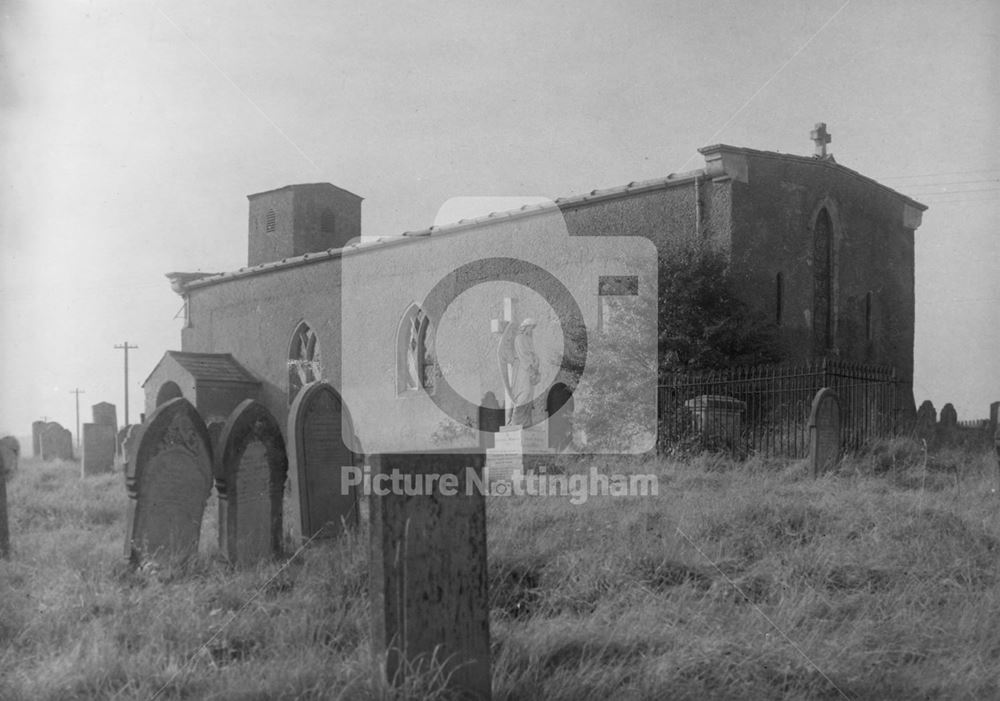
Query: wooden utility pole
77, 392
125, 347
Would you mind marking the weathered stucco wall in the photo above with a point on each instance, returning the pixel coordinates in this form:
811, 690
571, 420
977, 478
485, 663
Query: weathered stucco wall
356, 302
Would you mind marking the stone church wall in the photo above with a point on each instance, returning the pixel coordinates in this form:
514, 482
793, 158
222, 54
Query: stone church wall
773, 218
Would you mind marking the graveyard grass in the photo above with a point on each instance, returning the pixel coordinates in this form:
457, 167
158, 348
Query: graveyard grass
738, 581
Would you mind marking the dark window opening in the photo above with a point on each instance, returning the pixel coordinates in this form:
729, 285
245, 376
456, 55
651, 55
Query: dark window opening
168, 390
270, 221
823, 283
779, 297
868, 316
327, 221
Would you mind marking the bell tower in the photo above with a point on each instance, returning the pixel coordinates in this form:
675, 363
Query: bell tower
298, 219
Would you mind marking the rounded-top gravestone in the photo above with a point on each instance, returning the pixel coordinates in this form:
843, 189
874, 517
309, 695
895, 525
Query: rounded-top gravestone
4, 528
824, 431
250, 471
318, 454
56, 442
168, 479
949, 417
10, 453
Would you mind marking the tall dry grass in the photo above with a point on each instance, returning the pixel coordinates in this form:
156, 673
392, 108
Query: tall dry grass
737, 581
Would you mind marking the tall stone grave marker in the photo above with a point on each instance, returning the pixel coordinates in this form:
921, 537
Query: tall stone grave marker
56, 442
317, 457
98, 449
949, 417
36, 438
926, 419
10, 451
4, 526
105, 413
250, 471
129, 444
168, 480
428, 574
120, 458
824, 431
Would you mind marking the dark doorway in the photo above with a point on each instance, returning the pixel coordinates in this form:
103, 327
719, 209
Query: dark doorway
559, 407
168, 391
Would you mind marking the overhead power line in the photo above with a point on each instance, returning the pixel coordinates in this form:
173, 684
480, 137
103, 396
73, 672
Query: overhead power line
947, 183
936, 175
958, 192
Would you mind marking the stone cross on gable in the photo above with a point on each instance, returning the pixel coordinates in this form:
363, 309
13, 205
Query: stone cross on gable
821, 137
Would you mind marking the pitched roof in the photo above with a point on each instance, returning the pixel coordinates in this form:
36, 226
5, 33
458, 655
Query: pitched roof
209, 367
182, 284
827, 162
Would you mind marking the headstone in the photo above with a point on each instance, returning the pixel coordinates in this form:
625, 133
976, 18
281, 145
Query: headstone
559, 406
119, 441
491, 418
168, 480
4, 526
56, 443
98, 449
428, 573
215, 433
10, 451
949, 417
129, 444
36, 438
505, 460
996, 447
926, 419
317, 457
105, 413
250, 472
718, 419
824, 431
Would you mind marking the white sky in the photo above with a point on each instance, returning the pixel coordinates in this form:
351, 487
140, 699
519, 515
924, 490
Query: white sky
132, 132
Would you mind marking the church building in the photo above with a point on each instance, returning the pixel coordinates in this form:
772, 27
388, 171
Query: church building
406, 328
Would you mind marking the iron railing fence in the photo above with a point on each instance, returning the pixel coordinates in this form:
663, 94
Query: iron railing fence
765, 409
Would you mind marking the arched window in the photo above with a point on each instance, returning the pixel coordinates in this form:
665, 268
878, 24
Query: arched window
416, 368
305, 364
868, 316
823, 282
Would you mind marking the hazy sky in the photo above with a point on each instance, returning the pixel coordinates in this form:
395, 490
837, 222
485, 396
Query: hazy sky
132, 132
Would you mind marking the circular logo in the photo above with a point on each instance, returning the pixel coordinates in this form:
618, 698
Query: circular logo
500, 488
546, 285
